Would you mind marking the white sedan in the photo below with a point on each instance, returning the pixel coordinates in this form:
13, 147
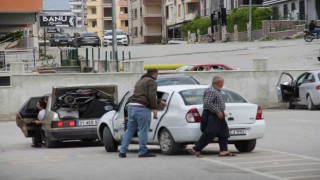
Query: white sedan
178, 123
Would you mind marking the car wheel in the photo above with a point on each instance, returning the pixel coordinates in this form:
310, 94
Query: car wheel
167, 144
109, 143
290, 105
51, 144
310, 104
246, 146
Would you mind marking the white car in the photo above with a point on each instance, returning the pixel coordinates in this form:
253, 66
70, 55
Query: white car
122, 38
178, 123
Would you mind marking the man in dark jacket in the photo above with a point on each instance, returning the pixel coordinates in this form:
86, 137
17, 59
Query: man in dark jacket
142, 102
214, 117
312, 28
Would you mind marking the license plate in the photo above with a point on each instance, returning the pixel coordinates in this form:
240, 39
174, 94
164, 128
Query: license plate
87, 122
237, 132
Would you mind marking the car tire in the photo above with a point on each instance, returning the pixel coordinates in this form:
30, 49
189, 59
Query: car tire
246, 146
51, 144
109, 143
310, 104
290, 105
167, 144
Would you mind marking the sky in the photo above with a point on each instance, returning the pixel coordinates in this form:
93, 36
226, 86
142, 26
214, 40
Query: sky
56, 5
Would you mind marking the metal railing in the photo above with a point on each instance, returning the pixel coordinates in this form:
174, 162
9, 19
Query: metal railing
29, 57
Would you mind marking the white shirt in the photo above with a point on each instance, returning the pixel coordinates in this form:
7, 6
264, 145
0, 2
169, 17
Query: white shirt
41, 114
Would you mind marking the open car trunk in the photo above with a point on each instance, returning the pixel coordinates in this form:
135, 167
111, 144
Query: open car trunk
83, 102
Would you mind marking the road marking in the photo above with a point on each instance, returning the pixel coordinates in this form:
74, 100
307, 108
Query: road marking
284, 165
303, 170
303, 177
243, 169
253, 162
246, 157
291, 154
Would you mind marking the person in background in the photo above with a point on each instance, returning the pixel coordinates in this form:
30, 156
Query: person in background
41, 105
313, 28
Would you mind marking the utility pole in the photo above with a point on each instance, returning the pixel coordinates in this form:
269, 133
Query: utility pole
250, 21
114, 33
163, 22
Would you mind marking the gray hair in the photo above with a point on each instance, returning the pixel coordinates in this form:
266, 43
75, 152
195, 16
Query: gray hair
216, 79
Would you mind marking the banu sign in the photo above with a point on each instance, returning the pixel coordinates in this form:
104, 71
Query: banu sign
57, 21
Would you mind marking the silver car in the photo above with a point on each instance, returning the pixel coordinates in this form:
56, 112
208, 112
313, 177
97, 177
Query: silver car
304, 90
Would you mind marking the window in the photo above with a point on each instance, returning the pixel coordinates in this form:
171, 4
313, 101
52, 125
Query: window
141, 14
134, 13
94, 24
232, 97
285, 10
141, 30
293, 6
163, 97
93, 11
135, 32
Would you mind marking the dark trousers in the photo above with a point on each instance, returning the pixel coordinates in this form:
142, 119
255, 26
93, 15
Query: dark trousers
37, 134
215, 127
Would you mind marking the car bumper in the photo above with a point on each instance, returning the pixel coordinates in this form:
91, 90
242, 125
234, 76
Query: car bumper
119, 42
191, 133
72, 134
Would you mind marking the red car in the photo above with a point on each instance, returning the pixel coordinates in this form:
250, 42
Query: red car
204, 67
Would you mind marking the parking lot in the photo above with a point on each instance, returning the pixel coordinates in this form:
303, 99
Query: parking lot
289, 150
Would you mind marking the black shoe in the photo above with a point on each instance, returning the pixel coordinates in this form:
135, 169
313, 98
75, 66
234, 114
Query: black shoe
147, 154
122, 155
36, 145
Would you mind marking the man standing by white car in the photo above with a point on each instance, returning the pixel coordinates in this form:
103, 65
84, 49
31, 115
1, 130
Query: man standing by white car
141, 103
214, 117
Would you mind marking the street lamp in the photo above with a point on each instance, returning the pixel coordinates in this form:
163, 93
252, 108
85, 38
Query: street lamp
114, 32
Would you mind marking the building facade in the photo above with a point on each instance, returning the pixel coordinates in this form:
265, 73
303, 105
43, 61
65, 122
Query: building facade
99, 16
146, 21
20, 15
79, 9
295, 9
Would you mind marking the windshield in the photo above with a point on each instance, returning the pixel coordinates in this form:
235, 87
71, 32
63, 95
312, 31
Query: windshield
185, 68
64, 35
195, 96
109, 33
175, 81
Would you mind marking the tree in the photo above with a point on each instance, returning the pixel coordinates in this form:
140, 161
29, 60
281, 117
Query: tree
197, 23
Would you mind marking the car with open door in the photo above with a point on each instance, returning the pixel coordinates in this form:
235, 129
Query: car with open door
72, 112
178, 123
304, 90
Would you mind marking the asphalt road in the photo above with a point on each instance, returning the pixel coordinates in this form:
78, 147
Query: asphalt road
289, 150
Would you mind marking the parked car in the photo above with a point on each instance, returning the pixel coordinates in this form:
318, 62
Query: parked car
72, 113
86, 39
60, 39
122, 38
204, 67
178, 123
175, 79
304, 90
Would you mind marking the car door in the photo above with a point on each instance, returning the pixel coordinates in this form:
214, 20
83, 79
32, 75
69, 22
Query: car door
304, 82
121, 117
284, 87
163, 96
26, 115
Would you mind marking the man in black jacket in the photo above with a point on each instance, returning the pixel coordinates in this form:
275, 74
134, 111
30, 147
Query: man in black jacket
313, 28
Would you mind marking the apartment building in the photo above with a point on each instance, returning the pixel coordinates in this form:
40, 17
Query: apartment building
99, 15
79, 9
146, 21
295, 9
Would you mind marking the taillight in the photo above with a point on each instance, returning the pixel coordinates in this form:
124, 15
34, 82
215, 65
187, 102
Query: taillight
64, 123
193, 116
318, 87
259, 115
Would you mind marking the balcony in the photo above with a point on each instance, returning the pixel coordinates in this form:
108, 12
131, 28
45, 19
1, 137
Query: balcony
74, 2
153, 20
271, 2
76, 10
123, 16
92, 3
152, 1
190, 16
92, 16
123, 3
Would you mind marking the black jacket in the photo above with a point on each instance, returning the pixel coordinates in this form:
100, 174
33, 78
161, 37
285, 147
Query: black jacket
212, 124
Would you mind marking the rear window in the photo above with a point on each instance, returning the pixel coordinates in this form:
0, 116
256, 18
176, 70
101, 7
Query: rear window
165, 81
195, 96
89, 35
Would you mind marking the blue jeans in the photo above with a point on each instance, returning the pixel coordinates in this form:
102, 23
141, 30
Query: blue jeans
137, 118
316, 31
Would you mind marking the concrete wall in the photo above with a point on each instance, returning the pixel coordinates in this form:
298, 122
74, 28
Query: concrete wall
257, 86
